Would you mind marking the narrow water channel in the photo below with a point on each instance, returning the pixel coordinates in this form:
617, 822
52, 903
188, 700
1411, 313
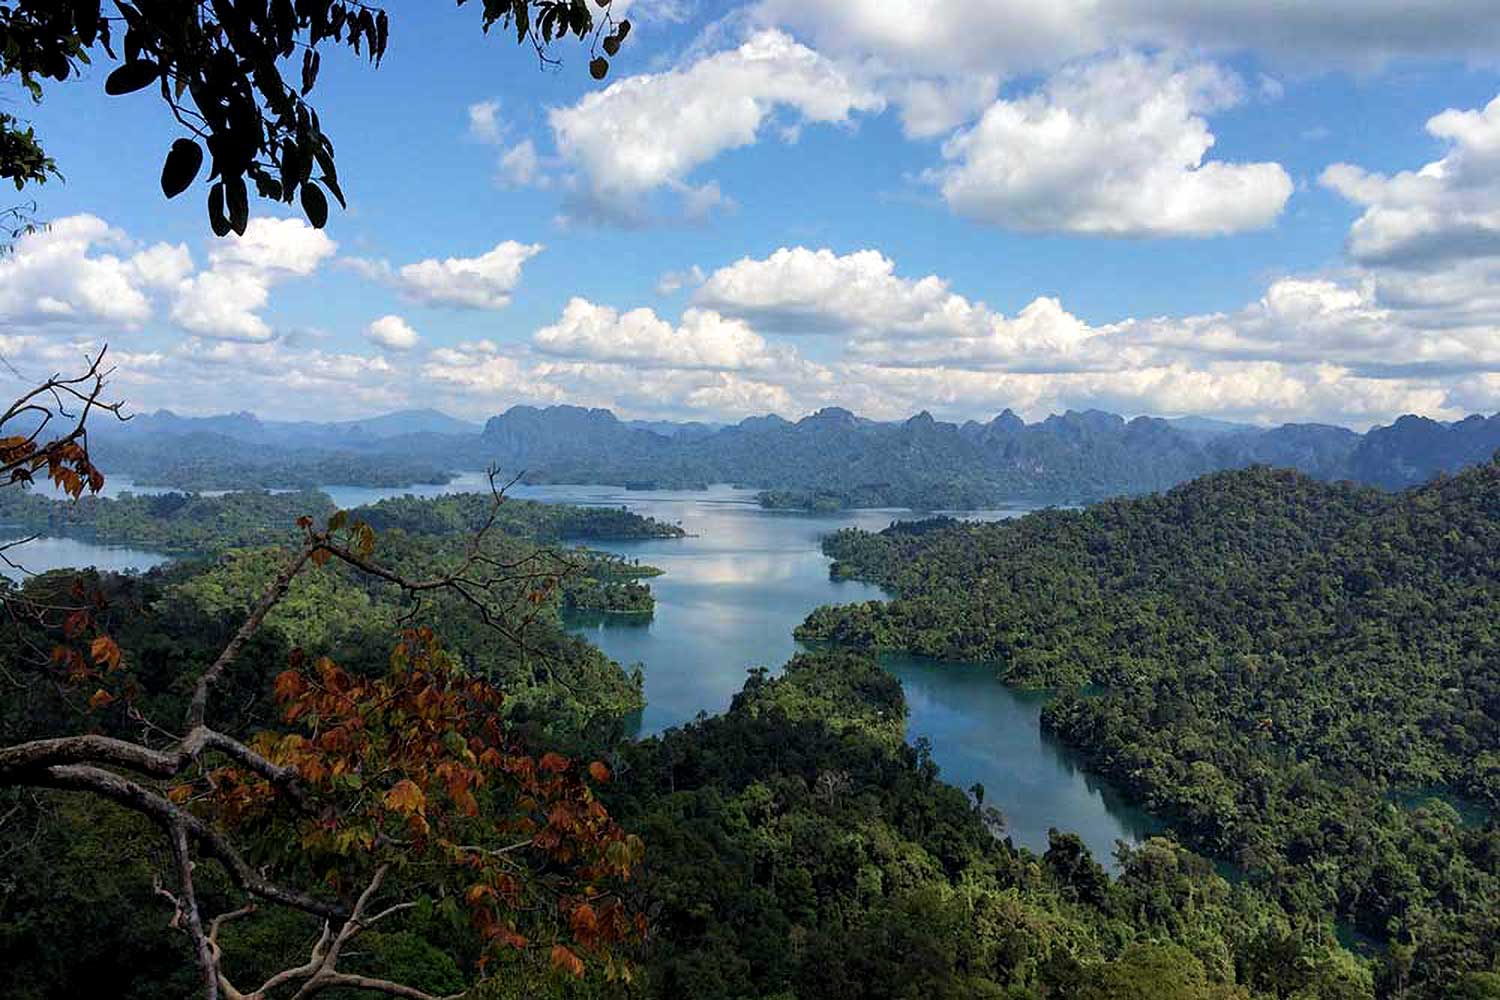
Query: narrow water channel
728, 600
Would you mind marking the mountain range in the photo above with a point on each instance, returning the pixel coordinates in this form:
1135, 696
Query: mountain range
831, 458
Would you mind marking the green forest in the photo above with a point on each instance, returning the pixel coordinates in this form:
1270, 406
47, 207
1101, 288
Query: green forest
1240, 655
1302, 677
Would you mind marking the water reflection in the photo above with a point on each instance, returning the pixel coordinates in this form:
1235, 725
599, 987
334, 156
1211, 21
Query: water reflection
982, 731
731, 595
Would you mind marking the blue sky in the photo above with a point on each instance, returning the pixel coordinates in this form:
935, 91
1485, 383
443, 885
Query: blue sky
1149, 207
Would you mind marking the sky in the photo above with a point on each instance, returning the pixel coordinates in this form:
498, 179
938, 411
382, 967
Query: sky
1260, 211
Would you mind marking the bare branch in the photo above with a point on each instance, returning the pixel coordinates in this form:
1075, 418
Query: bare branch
81, 778
274, 593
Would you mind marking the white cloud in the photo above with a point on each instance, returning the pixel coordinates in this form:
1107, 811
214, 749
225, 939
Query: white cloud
672, 282
224, 301
797, 290
1010, 37
483, 282
652, 131
479, 368
67, 274
1113, 148
484, 122
702, 340
859, 295
1295, 353
393, 332
520, 165
1449, 208
931, 107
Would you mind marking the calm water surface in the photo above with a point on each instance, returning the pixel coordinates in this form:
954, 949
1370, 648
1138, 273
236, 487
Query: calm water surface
728, 601
729, 598
42, 554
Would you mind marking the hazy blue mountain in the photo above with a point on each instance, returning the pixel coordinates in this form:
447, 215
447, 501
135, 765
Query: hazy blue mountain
830, 458
1207, 427
425, 421
673, 429
1414, 449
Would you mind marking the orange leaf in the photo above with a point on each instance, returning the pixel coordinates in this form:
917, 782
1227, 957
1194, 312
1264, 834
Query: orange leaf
565, 961
105, 651
599, 772
405, 797
289, 685
100, 698
554, 762
584, 921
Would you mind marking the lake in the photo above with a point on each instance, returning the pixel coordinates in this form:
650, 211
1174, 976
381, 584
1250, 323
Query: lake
42, 554
730, 595
745, 577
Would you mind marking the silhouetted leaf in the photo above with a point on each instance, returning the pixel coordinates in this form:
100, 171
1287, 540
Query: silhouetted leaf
237, 200
184, 160
314, 205
216, 217
131, 77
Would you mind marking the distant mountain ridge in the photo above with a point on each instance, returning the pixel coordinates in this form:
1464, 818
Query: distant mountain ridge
830, 458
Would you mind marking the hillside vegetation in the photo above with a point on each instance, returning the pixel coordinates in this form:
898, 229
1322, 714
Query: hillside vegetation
1305, 677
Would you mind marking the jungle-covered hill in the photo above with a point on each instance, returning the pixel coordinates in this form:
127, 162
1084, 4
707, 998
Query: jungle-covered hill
1280, 665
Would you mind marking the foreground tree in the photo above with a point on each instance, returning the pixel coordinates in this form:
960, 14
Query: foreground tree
371, 799
236, 76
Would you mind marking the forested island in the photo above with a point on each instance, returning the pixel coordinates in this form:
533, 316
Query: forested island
195, 525
1301, 676
194, 522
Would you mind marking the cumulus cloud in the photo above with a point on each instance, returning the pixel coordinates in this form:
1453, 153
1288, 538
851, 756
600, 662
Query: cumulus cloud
798, 290
1113, 148
916, 343
653, 130
702, 340
901, 320
224, 302
483, 282
1449, 208
80, 270
393, 332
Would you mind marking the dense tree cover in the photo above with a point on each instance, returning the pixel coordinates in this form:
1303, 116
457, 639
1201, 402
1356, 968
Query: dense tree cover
801, 849
459, 513
610, 585
400, 781
798, 848
166, 522
1275, 663
197, 523
169, 625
